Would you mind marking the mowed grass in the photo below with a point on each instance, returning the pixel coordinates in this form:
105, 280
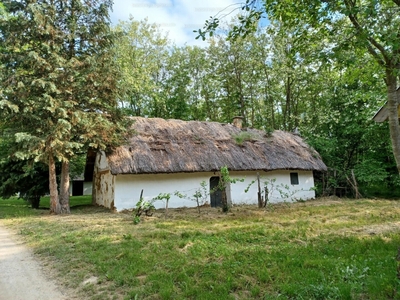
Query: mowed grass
14, 207
320, 249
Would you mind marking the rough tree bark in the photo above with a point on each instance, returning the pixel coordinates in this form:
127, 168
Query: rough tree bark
224, 198
64, 189
54, 203
35, 201
393, 94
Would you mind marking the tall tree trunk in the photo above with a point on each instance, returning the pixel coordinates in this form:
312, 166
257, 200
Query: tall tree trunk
272, 110
287, 112
268, 99
224, 198
54, 203
64, 188
392, 107
35, 201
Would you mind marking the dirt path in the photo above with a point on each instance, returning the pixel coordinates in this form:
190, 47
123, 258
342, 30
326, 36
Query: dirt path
21, 276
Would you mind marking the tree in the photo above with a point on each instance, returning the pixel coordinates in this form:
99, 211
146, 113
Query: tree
175, 86
187, 82
369, 25
27, 179
58, 83
234, 76
285, 82
339, 124
141, 51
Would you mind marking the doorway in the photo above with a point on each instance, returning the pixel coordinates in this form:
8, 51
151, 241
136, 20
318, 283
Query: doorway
77, 188
215, 192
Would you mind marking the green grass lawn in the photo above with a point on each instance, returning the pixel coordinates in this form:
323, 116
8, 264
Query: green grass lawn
322, 249
15, 207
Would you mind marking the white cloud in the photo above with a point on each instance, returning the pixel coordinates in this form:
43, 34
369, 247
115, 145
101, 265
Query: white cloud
177, 17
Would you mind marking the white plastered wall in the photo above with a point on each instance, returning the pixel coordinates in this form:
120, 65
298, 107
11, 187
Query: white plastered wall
87, 188
128, 187
278, 183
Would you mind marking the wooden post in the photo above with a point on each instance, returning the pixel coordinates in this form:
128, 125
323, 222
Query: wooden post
139, 209
198, 204
141, 195
266, 193
260, 201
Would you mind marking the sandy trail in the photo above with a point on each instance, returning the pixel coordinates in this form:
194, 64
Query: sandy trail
21, 276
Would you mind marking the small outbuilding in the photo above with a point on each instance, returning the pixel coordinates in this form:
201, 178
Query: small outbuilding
79, 186
166, 156
382, 114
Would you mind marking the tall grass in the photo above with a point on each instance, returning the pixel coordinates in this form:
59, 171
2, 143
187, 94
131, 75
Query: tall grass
314, 250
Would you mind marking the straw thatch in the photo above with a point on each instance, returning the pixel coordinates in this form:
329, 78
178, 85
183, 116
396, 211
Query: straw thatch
174, 146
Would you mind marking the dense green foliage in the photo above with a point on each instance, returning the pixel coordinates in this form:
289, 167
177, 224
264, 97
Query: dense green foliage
28, 180
25, 178
345, 35
275, 80
58, 83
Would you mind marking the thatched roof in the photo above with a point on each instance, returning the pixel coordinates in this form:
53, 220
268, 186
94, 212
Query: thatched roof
175, 146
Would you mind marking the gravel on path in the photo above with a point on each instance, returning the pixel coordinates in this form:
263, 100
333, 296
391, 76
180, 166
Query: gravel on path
21, 276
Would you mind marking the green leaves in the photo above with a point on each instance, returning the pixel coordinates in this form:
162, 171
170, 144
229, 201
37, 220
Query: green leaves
60, 67
209, 28
59, 80
8, 104
141, 52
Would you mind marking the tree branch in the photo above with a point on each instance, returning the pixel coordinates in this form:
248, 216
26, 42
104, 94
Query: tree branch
397, 2
371, 42
372, 51
397, 51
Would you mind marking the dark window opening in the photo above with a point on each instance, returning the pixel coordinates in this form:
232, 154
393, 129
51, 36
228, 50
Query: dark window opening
294, 178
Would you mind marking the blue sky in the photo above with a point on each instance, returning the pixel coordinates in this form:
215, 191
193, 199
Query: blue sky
177, 17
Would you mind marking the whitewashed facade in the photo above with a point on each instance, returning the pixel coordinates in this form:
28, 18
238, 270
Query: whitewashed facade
162, 157
122, 191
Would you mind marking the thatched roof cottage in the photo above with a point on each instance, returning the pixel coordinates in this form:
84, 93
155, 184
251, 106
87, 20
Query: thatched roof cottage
164, 156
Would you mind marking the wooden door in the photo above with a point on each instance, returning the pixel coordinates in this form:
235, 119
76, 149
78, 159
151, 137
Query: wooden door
215, 193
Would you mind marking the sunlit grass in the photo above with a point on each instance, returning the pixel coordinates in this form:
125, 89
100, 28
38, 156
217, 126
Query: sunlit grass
325, 249
15, 207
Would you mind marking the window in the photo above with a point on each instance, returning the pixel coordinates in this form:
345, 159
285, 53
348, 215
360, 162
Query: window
294, 178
